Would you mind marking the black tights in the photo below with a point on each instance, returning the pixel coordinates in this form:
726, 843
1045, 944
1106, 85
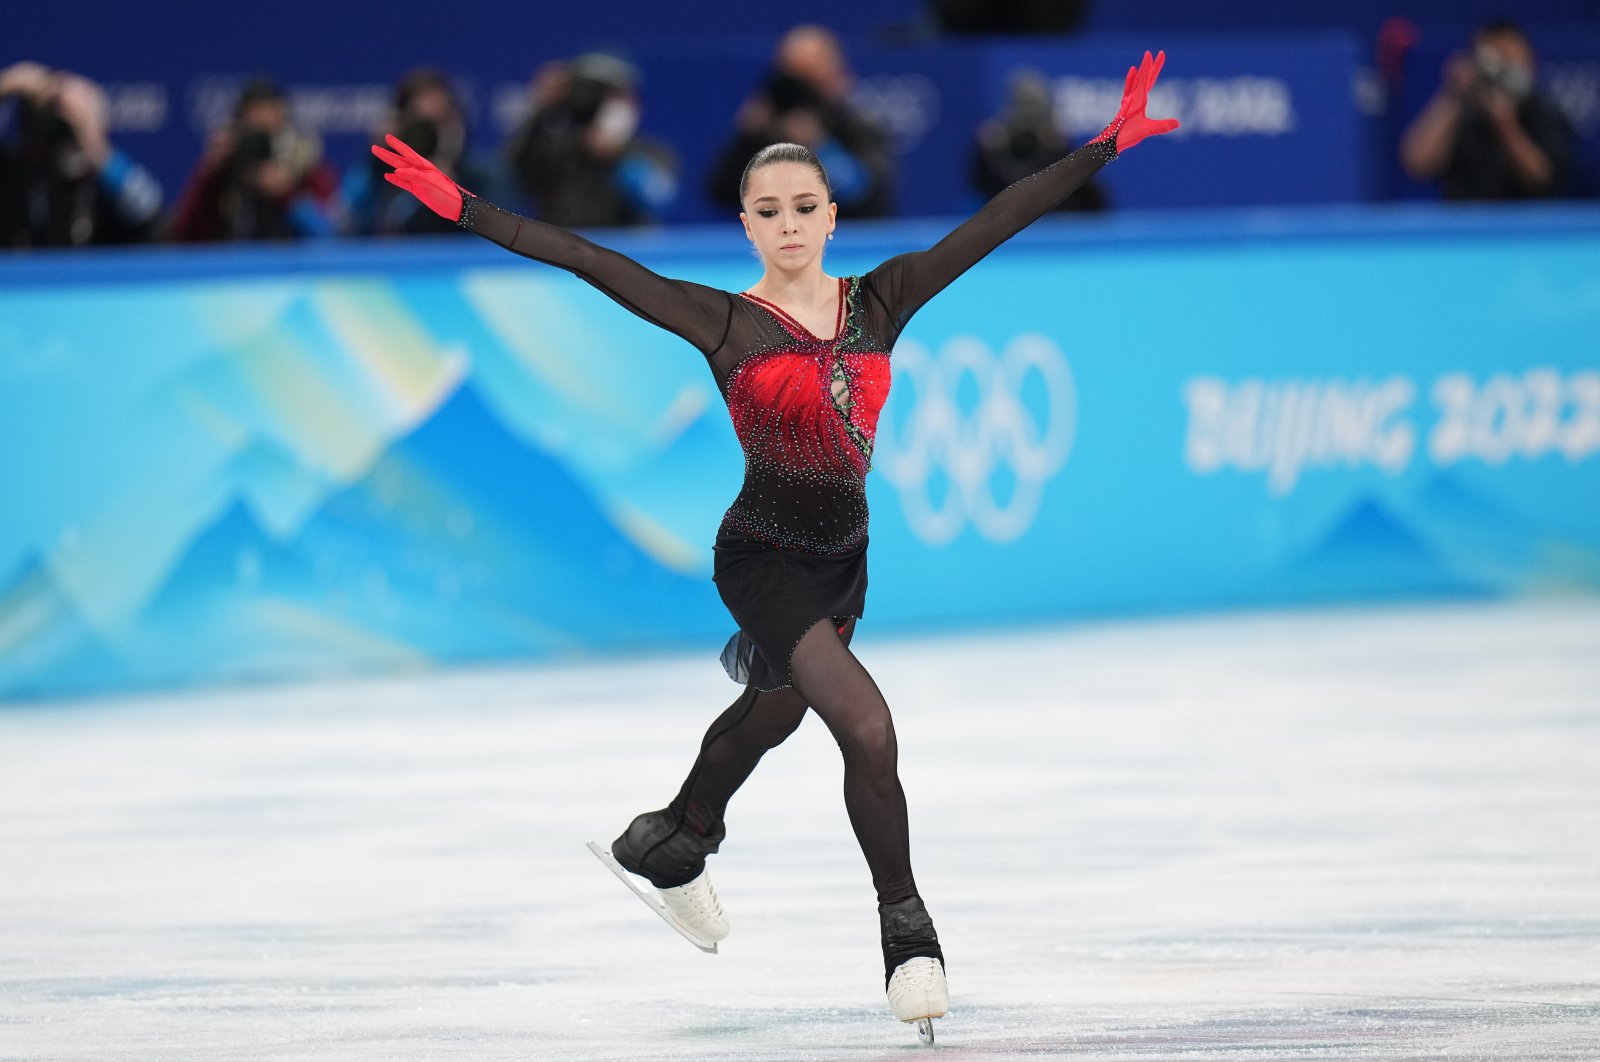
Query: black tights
831, 681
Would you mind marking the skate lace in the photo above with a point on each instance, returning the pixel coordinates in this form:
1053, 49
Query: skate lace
917, 975
701, 896
918, 989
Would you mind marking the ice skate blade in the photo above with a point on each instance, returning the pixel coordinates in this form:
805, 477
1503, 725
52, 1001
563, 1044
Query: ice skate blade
925, 1030
651, 900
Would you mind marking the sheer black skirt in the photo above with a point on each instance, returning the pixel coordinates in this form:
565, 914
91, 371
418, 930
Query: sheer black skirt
775, 596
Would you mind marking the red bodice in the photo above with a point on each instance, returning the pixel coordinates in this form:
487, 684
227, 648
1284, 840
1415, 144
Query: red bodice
805, 412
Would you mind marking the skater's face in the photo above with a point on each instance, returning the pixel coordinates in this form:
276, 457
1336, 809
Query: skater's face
788, 216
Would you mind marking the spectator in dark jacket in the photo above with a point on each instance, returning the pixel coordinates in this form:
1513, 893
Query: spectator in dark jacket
259, 179
579, 155
1488, 132
1022, 140
427, 115
806, 100
62, 181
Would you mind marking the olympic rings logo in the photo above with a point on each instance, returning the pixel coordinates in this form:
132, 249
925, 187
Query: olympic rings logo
937, 440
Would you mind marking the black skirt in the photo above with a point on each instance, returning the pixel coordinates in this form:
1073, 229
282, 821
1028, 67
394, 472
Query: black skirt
776, 596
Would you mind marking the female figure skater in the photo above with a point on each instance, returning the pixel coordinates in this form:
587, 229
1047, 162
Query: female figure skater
802, 359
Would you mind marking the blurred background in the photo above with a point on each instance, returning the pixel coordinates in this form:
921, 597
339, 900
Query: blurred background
1332, 340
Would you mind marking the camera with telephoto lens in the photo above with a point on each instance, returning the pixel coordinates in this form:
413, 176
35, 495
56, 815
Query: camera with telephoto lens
584, 98
40, 124
251, 147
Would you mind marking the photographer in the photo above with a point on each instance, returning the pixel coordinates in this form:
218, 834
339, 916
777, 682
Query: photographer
259, 178
1488, 133
62, 183
1024, 139
579, 156
428, 116
806, 101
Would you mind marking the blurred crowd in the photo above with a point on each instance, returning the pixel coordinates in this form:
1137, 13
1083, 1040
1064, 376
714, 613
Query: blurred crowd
579, 159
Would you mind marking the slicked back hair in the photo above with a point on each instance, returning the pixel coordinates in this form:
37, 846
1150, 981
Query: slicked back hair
776, 153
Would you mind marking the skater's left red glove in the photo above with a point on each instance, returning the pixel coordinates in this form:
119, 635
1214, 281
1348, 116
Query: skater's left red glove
421, 178
1130, 125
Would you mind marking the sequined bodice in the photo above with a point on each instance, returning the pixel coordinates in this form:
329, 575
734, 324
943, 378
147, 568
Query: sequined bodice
805, 410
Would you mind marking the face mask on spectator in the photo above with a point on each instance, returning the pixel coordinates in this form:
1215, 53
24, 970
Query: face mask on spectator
616, 121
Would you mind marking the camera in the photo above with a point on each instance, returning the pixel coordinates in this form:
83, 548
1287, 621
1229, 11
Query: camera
41, 124
789, 93
251, 148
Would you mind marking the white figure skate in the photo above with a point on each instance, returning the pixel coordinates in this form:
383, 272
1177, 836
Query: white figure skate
693, 909
919, 993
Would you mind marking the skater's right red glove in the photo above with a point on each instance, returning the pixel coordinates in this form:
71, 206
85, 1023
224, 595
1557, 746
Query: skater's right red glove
1130, 125
421, 178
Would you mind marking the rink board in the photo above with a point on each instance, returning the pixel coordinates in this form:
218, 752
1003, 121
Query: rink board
243, 464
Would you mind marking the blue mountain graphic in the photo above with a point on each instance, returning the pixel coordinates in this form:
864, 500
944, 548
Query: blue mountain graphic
43, 636
685, 487
461, 542
1477, 533
1370, 552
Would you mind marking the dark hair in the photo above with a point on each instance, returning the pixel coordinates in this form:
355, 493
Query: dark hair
420, 80
776, 153
257, 90
1502, 27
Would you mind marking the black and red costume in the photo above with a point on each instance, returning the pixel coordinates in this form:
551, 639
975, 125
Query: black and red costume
791, 554
791, 550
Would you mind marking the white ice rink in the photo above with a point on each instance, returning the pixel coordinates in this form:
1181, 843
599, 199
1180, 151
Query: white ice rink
1371, 834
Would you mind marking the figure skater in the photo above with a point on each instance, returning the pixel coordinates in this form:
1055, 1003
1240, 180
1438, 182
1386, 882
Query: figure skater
802, 359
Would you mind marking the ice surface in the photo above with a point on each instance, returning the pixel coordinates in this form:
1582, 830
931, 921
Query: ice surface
1371, 834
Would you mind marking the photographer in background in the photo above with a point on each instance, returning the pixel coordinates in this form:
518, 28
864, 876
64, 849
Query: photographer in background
1488, 133
428, 116
806, 100
579, 156
1024, 139
259, 179
62, 183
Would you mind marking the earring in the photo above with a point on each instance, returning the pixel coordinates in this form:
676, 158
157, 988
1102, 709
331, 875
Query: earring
830, 235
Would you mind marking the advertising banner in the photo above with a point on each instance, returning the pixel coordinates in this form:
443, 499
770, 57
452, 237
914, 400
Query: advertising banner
286, 463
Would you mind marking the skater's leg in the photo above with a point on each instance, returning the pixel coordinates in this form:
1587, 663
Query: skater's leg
839, 690
733, 745
833, 682
670, 846
756, 723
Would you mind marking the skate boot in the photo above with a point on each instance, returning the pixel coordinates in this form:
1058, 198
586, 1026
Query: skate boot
913, 965
669, 853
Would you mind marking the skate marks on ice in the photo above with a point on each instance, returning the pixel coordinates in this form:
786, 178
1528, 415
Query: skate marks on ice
1281, 1027
1370, 834
651, 901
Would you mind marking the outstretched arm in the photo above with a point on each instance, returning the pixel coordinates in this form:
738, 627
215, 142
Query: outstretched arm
693, 311
910, 280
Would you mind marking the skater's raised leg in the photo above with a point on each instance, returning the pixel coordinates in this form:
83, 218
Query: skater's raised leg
669, 846
752, 726
841, 691
734, 743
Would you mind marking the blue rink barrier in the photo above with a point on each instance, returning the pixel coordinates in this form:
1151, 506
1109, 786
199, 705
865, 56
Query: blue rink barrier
251, 463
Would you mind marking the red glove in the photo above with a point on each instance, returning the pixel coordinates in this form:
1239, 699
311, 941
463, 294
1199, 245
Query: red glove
1130, 125
421, 178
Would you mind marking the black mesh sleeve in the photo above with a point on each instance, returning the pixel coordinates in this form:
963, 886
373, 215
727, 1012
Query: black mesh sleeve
695, 312
907, 281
